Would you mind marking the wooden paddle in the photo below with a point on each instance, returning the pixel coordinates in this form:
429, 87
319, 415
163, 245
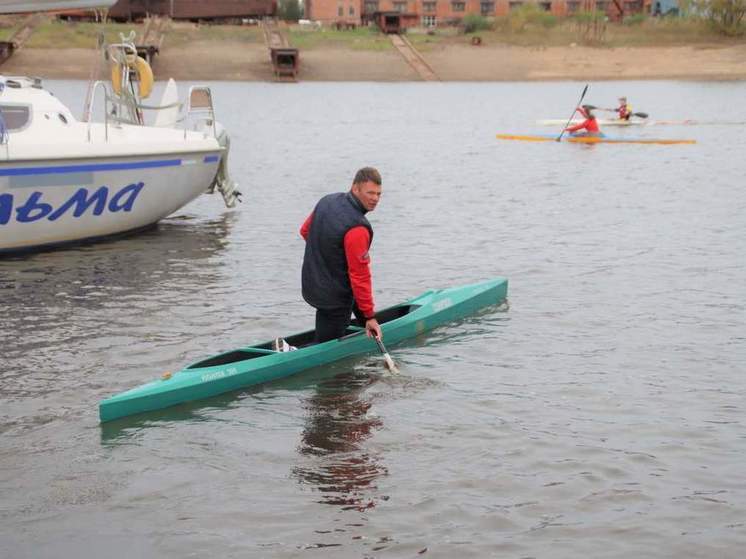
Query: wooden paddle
569, 120
390, 365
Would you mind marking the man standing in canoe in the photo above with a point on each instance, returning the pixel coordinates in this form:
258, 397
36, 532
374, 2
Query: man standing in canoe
336, 274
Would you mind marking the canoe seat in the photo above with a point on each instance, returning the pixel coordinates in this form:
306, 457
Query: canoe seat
387, 315
227, 358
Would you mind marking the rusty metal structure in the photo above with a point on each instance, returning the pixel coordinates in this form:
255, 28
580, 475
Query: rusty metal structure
132, 10
285, 59
151, 40
393, 21
20, 35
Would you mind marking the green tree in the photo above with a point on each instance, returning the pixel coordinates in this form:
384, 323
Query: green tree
727, 16
289, 10
530, 15
475, 22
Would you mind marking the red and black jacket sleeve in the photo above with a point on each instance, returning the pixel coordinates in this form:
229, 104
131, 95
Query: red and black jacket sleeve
306, 226
357, 244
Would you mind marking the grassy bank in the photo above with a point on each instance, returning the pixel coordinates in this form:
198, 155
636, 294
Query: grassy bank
61, 34
537, 30
184, 33
650, 32
363, 38
58, 34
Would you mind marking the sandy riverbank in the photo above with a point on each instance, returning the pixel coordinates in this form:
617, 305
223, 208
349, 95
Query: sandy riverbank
206, 60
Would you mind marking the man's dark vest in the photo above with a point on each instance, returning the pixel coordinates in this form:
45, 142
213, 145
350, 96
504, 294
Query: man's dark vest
326, 283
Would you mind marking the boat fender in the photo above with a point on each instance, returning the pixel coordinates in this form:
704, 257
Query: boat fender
144, 76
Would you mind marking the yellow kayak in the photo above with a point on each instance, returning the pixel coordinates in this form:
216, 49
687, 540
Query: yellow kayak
590, 139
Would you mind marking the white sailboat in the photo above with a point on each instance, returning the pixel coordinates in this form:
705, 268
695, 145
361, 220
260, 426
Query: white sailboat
65, 180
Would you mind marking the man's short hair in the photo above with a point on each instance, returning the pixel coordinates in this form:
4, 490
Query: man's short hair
367, 174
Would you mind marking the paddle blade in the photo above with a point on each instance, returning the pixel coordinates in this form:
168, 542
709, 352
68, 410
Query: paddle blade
641, 115
390, 365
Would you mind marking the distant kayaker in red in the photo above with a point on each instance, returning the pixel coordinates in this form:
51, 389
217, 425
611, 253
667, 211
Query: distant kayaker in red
624, 110
589, 126
336, 275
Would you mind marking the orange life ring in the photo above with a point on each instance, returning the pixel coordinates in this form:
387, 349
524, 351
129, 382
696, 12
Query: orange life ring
144, 76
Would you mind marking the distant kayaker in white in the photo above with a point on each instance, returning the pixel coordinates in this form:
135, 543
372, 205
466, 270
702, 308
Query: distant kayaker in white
336, 273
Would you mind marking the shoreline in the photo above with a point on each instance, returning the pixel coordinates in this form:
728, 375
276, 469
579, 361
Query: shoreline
226, 61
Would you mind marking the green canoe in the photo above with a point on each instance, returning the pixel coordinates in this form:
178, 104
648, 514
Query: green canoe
258, 364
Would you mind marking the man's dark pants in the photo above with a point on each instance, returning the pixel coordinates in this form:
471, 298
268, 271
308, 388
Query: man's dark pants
333, 323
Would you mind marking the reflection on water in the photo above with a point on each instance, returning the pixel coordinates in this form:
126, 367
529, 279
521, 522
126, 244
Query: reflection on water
92, 305
336, 461
89, 274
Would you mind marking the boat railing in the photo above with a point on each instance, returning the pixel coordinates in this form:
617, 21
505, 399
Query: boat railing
199, 109
123, 52
123, 106
124, 55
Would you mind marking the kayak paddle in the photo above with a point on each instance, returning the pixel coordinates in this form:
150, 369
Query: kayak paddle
585, 89
639, 115
390, 365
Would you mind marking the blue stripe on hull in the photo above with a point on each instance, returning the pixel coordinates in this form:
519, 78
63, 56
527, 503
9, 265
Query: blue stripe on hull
20, 171
92, 167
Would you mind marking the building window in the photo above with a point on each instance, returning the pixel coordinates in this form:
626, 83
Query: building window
340, 11
352, 10
428, 6
488, 8
428, 21
515, 4
400, 7
573, 6
458, 6
601, 6
546, 6
371, 7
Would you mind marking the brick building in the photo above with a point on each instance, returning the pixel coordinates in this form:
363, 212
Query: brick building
429, 13
330, 12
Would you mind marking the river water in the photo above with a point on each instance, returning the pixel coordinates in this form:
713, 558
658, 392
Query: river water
601, 415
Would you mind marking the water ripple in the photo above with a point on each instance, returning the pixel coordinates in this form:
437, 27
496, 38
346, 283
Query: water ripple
599, 415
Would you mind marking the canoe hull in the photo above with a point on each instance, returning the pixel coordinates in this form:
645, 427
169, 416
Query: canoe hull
591, 139
257, 364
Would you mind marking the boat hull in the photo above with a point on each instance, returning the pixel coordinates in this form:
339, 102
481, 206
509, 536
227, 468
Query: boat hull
601, 122
257, 364
50, 203
591, 139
